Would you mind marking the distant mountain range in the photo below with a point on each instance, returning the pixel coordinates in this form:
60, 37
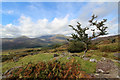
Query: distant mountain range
26, 42
42, 41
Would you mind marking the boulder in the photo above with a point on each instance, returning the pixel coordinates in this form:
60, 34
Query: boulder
85, 58
117, 55
105, 66
103, 59
106, 69
93, 60
68, 57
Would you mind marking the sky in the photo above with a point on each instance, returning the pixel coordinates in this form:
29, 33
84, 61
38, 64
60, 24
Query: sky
34, 19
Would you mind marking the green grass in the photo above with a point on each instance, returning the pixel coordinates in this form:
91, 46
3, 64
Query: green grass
87, 66
112, 47
25, 60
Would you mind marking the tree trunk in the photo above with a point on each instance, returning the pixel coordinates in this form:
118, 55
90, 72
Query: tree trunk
85, 50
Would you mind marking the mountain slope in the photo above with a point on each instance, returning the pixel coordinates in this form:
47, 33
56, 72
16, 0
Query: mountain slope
26, 42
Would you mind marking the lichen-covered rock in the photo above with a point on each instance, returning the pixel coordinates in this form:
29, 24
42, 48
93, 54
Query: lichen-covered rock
107, 69
86, 59
117, 55
68, 57
93, 60
104, 66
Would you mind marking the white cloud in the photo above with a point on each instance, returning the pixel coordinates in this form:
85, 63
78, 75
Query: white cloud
34, 29
10, 11
7, 11
9, 31
43, 27
105, 9
60, 25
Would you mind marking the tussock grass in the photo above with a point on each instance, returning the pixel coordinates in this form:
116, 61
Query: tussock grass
25, 60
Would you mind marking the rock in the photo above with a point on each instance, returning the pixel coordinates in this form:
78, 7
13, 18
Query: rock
93, 60
15, 59
68, 57
103, 66
103, 59
85, 58
56, 55
107, 68
117, 55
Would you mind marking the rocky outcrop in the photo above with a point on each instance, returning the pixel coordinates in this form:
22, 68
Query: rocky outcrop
106, 69
86, 58
93, 60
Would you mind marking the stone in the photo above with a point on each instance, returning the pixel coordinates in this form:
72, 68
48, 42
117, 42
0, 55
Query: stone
15, 59
103, 59
85, 58
117, 55
93, 60
68, 57
106, 67
56, 55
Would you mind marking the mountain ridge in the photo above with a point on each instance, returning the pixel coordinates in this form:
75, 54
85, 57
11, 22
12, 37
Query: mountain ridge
26, 42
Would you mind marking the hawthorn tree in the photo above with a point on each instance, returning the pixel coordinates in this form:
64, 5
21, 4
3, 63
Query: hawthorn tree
82, 36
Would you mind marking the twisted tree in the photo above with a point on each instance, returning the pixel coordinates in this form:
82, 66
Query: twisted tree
82, 36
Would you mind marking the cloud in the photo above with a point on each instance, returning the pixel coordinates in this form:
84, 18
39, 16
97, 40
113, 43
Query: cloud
43, 27
35, 29
9, 31
105, 9
7, 11
59, 25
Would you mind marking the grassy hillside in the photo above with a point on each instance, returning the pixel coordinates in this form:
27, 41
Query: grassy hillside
105, 47
25, 42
